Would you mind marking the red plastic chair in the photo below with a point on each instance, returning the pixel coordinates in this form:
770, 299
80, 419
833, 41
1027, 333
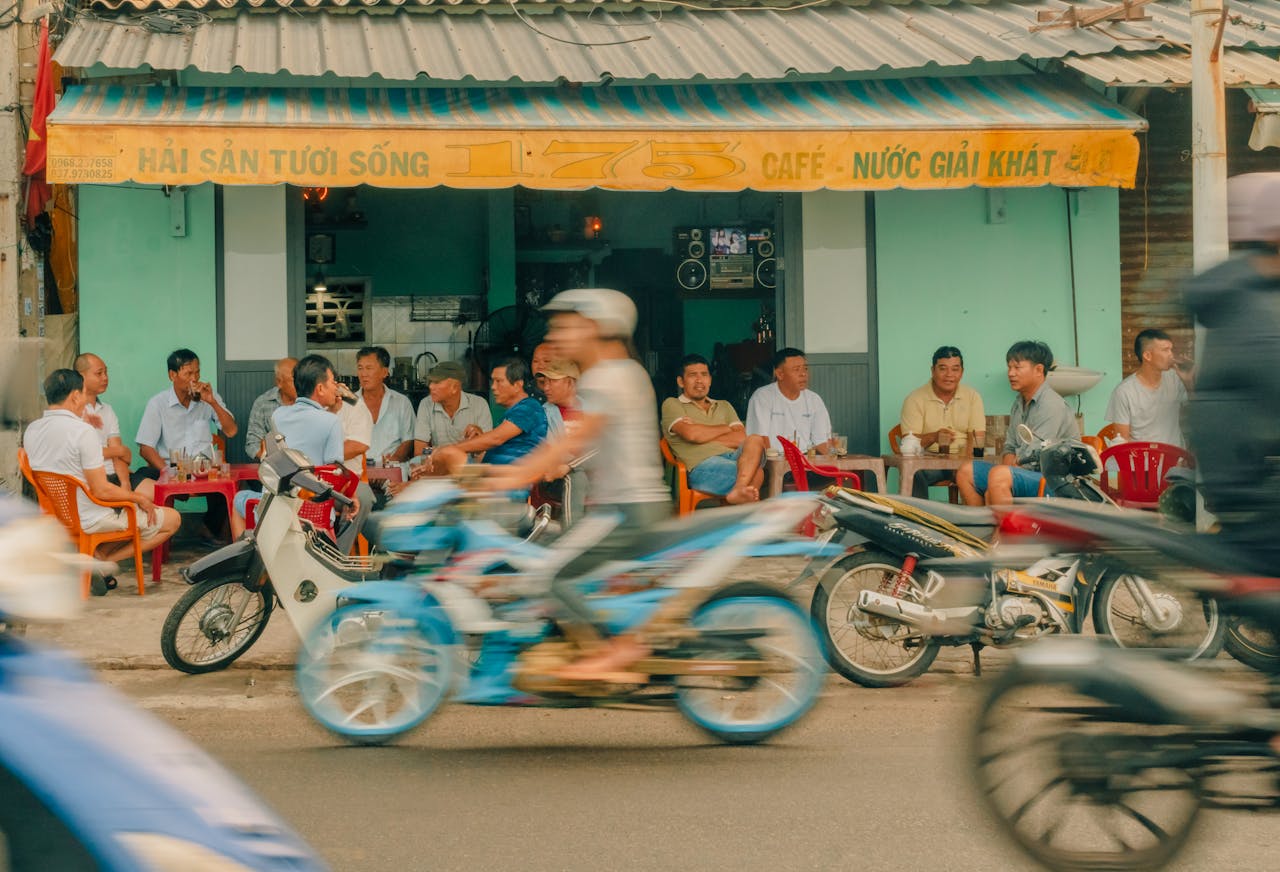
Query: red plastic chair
801, 466
320, 514
1143, 467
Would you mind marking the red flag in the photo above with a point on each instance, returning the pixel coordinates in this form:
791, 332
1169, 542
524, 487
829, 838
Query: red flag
37, 147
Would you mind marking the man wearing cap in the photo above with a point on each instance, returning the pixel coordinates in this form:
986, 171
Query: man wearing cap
448, 414
558, 379
709, 438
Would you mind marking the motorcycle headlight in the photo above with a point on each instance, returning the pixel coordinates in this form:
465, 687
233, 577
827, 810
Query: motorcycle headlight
157, 852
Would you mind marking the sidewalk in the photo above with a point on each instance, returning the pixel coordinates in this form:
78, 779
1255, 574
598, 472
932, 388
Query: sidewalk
122, 630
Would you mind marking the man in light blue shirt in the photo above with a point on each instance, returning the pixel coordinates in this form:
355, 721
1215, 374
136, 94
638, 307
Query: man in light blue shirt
307, 425
180, 419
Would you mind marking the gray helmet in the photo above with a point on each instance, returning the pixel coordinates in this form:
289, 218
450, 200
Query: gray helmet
613, 311
1253, 207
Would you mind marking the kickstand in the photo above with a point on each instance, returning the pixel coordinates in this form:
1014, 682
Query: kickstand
977, 658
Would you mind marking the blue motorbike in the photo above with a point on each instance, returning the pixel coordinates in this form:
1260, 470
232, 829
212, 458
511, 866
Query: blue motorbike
87, 781
738, 659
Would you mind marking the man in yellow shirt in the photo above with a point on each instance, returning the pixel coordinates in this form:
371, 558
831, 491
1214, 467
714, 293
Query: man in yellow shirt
944, 414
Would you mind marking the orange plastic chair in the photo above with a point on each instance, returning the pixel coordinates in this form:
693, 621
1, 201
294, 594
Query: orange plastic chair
24, 463
801, 466
1143, 467
895, 441
687, 499
60, 491
1105, 435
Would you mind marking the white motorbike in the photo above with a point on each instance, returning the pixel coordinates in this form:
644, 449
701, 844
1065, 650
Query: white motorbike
284, 561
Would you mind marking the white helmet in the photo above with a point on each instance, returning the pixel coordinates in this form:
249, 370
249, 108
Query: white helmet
613, 311
1253, 207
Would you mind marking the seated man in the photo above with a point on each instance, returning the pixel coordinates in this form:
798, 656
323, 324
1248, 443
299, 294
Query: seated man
307, 425
787, 408
523, 426
357, 433
180, 419
448, 414
1147, 406
943, 411
558, 380
708, 437
102, 418
1040, 408
282, 394
391, 410
60, 441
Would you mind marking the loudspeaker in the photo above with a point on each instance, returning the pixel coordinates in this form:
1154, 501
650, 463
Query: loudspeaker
691, 253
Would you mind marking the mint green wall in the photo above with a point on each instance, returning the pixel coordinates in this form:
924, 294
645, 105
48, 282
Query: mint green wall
944, 276
415, 242
707, 322
144, 292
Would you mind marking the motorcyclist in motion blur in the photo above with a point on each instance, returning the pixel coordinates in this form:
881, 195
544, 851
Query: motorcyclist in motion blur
1233, 417
627, 495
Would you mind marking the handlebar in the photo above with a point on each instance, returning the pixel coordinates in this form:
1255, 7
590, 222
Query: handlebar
322, 490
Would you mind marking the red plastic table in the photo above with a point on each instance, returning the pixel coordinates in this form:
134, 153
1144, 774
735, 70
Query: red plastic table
169, 488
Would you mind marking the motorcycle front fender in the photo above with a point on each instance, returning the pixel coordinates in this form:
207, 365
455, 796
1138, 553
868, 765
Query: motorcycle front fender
229, 561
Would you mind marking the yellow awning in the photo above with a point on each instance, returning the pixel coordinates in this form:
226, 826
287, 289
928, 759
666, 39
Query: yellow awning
1013, 131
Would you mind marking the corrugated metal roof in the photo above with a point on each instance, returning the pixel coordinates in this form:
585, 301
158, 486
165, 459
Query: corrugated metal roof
1163, 68
493, 45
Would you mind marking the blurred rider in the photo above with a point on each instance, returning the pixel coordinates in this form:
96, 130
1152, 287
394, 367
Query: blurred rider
1233, 418
627, 494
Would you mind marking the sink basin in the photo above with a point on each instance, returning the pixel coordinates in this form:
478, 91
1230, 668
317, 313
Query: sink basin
1071, 380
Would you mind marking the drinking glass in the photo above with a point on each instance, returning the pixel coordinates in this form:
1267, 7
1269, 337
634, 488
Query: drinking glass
841, 444
944, 442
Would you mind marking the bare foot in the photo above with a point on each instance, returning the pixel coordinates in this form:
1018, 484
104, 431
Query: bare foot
608, 663
742, 494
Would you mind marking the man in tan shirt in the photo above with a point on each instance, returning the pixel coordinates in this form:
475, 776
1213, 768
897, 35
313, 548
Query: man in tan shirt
943, 414
707, 436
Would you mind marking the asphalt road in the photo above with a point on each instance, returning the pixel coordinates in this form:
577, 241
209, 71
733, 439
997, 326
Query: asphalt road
871, 780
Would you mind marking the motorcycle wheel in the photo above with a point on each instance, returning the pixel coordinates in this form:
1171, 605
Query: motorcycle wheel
1253, 645
368, 675
743, 710
198, 635
1062, 772
867, 649
1193, 628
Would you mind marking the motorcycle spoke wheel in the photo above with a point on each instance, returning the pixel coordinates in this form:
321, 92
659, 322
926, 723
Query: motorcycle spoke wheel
748, 709
1061, 771
1141, 613
369, 676
212, 624
867, 649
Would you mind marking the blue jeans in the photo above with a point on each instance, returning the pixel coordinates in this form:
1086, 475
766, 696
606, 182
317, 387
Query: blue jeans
716, 475
1025, 482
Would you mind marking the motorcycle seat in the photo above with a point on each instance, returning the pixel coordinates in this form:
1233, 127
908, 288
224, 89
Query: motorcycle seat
678, 531
959, 516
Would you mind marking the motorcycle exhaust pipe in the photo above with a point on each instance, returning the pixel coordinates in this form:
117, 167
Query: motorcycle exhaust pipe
935, 622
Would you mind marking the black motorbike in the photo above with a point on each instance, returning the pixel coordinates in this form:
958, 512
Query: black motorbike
1095, 758
887, 609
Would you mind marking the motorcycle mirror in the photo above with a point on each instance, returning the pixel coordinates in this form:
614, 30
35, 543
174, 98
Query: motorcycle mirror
1027, 434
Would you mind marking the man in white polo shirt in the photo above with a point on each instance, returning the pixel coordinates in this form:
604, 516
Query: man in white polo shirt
787, 408
61, 441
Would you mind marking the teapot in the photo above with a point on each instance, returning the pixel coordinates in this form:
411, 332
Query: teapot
910, 445
201, 465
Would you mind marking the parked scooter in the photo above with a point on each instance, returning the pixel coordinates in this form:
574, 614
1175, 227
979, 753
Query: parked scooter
740, 660
1092, 758
88, 781
884, 616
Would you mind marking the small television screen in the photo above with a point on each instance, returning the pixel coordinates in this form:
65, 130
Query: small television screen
728, 240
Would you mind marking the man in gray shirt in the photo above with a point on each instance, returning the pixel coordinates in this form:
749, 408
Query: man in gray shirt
1147, 406
449, 414
1041, 409
267, 402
